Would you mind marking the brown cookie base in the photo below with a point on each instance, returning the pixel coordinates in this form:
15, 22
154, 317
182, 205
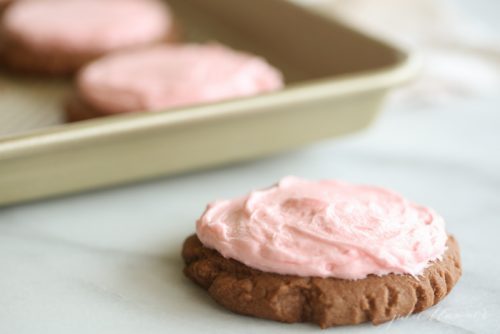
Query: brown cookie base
4, 4
76, 110
18, 56
325, 301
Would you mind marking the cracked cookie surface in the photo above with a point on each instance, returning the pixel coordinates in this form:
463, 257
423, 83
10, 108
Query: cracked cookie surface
325, 301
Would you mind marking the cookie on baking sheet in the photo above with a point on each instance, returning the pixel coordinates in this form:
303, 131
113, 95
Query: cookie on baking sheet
59, 36
168, 76
325, 252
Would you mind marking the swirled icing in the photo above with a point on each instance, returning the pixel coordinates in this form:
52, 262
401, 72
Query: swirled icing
169, 76
325, 228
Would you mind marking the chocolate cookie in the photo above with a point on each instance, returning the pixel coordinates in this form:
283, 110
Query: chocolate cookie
325, 301
77, 110
4, 4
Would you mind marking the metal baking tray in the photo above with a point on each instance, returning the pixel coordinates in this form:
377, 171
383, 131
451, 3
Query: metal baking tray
336, 79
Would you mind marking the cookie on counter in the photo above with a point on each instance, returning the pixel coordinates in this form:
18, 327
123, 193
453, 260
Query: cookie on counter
168, 76
57, 37
325, 252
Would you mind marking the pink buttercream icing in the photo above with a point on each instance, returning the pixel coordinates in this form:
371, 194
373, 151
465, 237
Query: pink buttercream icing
325, 228
87, 26
172, 76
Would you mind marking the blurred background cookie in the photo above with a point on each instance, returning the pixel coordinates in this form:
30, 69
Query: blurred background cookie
59, 36
168, 76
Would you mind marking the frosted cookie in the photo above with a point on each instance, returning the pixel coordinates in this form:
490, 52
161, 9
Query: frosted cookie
59, 36
325, 252
169, 76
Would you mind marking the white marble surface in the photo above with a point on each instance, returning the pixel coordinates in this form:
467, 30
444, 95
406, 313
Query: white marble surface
108, 261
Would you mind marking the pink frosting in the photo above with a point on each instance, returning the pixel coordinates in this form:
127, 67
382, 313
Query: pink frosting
87, 26
325, 228
172, 76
